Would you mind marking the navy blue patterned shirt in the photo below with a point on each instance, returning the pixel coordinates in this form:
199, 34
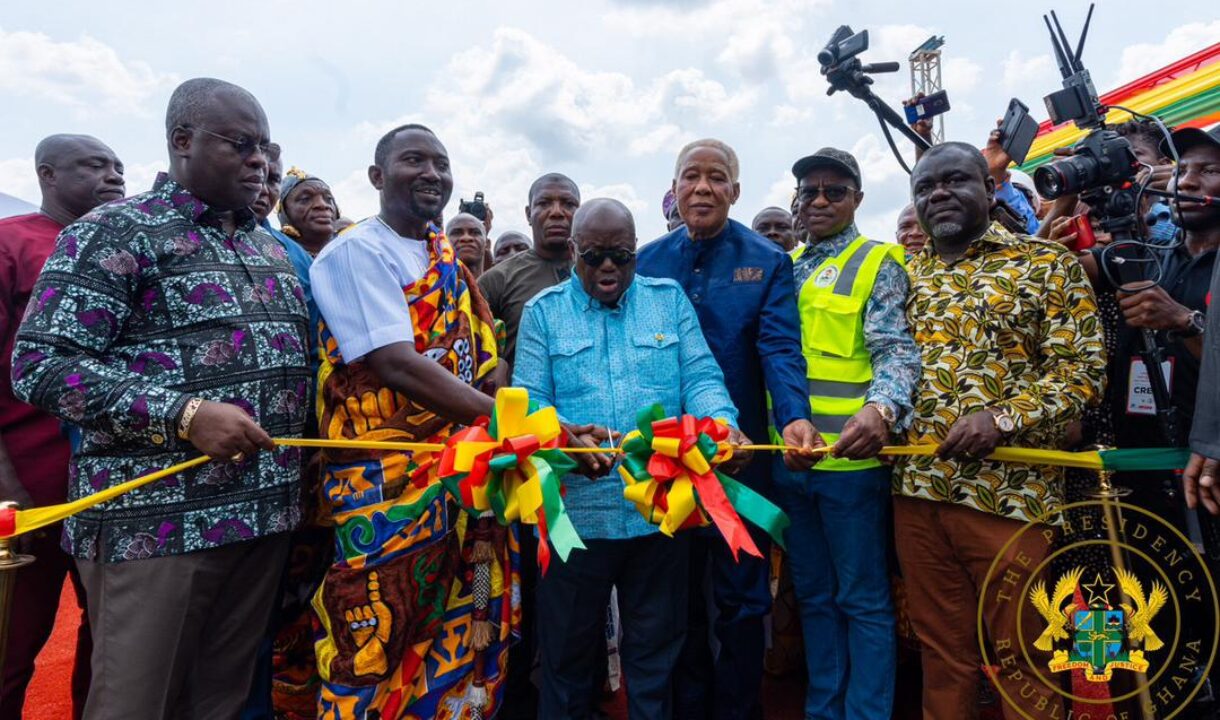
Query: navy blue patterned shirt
144, 304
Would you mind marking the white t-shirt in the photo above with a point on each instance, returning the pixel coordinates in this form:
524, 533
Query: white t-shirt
357, 283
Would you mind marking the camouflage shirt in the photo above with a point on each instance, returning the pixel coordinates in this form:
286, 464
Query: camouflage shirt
144, 304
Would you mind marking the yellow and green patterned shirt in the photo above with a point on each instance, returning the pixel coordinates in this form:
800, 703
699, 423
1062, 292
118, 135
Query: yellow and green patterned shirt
1012, 325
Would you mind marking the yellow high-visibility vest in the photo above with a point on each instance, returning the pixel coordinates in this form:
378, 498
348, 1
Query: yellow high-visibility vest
831, 303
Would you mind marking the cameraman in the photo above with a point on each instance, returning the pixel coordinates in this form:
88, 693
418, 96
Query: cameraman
1175, 308
1199, 174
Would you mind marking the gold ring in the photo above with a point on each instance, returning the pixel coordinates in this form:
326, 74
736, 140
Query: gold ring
238, 457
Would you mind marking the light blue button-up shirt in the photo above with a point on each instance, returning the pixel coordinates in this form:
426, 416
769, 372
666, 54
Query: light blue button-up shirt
602, 365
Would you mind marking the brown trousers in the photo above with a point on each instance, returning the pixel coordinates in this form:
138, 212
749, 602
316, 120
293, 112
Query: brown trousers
176, 637
945, 551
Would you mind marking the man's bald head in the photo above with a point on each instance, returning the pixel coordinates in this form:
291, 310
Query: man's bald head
602, 214
76, 173
194, 100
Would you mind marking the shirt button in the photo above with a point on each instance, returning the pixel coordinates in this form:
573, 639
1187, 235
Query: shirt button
698, 270
158, 439
695, 297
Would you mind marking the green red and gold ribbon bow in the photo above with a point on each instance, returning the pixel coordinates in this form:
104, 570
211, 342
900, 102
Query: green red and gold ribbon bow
513, 465
670, 471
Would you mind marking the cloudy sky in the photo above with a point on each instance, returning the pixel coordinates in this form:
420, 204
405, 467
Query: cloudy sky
603, 90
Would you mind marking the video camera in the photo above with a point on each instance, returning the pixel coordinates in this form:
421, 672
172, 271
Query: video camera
476, 207
844, 71
1102, 165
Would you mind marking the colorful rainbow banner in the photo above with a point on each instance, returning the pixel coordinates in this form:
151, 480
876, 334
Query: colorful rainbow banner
1183, 94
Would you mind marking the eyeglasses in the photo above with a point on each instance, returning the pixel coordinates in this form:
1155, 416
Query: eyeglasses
833, 193
594, 258
244, 146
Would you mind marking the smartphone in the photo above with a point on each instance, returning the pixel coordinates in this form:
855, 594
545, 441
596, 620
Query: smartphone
1085, 238
928, 107
1017, 131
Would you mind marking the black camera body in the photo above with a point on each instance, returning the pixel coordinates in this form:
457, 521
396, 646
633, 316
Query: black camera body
476, 207
1102, 159
1102, 165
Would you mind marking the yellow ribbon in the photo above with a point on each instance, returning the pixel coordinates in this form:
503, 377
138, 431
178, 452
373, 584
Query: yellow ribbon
525, 497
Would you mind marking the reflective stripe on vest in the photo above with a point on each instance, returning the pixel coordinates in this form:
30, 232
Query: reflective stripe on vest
839, 369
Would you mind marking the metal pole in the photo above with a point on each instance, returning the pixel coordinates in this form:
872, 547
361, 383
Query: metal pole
10, 561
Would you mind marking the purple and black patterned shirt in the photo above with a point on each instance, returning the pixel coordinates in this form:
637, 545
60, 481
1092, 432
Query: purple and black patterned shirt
144, 304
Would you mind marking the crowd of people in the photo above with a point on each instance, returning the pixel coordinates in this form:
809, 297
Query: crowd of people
141, 330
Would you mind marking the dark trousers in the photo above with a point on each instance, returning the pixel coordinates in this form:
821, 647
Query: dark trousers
176, 637
837, 551
32, 616
724, 685
650, 573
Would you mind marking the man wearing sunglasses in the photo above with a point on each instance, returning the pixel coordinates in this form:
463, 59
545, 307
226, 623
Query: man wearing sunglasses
597, 348
168, 325
863, 366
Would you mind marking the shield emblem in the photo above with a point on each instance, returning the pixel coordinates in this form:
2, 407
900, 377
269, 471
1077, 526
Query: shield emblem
1099, 638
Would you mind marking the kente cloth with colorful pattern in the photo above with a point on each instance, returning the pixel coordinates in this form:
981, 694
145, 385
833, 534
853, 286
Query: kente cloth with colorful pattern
1010, 325
396, 605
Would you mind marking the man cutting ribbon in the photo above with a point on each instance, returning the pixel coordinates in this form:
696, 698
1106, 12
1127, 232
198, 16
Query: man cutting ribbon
592, 347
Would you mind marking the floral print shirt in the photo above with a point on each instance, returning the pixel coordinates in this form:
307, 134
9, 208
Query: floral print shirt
1011, 325
144, 304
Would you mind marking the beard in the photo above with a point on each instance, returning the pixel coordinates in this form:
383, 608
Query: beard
947, 230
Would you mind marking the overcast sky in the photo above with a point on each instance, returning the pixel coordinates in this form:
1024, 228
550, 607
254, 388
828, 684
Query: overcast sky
605, 91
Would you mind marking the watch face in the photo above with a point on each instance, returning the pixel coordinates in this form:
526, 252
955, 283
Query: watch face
1005, 424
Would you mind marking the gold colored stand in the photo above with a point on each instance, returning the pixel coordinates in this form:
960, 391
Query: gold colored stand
10, 561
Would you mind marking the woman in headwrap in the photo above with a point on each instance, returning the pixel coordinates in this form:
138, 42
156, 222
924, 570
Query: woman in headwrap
307, 210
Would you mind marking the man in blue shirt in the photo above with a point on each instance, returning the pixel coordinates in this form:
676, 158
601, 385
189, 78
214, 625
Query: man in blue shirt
741, 286
599, 347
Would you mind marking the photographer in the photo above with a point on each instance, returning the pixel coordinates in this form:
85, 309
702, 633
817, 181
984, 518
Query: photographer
1173, 304
1199, 174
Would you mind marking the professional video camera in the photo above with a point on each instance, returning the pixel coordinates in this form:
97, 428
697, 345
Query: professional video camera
844, 71
1102, 167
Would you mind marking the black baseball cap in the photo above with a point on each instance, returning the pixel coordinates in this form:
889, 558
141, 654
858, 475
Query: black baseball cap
1187, 138
828, 157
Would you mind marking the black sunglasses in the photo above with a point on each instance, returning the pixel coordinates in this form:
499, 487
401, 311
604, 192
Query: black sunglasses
594, 258
833, 193
244, 146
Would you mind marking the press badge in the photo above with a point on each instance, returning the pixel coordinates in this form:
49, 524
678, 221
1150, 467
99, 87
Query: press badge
1139, 389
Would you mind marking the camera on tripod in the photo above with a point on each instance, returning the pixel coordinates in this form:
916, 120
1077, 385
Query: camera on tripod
1103, 162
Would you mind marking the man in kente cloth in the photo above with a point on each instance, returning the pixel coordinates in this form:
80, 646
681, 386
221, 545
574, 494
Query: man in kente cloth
409, 348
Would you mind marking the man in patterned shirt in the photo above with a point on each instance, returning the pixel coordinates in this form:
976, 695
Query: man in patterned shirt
1011, 354
166, 325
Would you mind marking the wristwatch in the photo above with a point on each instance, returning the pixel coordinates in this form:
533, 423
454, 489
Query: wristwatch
886, 412
1003, 421
1197, 321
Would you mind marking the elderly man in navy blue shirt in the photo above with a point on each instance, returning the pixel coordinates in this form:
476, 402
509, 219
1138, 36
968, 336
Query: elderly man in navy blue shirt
741, 286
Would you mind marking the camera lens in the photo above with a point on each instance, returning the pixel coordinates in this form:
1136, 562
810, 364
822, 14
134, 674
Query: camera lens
1070, 175
1048, 181
826, 56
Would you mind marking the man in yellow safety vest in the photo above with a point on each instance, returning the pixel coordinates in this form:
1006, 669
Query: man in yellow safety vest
863, 366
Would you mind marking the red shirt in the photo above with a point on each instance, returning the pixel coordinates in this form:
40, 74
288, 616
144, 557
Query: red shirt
33, 438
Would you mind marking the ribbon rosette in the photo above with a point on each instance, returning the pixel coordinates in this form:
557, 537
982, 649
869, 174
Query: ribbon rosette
669, 468
512, 464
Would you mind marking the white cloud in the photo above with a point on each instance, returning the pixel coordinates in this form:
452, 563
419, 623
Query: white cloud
1143, 58
17, 178
623, 192
1023, 71
84, 74
356, 196
786, 115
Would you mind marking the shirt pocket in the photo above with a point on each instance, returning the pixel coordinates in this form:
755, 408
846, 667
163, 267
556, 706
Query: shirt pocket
655, 355
833, 326
574, 367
